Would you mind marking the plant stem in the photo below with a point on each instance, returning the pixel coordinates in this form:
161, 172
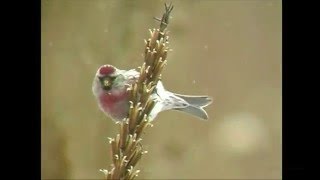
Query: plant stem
126, 148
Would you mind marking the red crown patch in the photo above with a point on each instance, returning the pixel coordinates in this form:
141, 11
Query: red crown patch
106, 70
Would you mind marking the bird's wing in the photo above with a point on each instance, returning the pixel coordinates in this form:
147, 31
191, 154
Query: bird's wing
131, 74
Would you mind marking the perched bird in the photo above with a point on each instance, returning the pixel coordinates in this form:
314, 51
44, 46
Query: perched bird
110, 89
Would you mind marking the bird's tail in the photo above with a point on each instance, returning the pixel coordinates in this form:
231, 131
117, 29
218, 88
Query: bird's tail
196, 105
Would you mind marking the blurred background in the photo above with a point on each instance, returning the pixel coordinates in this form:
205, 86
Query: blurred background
227, 49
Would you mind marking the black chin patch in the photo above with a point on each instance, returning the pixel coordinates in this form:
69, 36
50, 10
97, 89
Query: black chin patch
106, 82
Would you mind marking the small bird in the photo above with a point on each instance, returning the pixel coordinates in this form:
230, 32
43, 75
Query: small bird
110, 89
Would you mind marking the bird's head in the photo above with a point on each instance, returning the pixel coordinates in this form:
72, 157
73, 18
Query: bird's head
106, 76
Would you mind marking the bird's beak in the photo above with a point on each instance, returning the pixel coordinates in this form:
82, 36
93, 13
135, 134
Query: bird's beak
106, 82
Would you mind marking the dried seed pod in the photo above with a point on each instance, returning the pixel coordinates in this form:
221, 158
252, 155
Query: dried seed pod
154, 38
124, 130
141, 127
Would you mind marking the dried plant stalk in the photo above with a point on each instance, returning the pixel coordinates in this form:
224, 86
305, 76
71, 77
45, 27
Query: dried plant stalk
126, 148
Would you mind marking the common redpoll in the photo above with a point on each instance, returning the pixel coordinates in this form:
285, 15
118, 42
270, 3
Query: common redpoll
110, 89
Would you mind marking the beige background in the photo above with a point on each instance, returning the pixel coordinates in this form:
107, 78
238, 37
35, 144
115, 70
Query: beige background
228, 49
